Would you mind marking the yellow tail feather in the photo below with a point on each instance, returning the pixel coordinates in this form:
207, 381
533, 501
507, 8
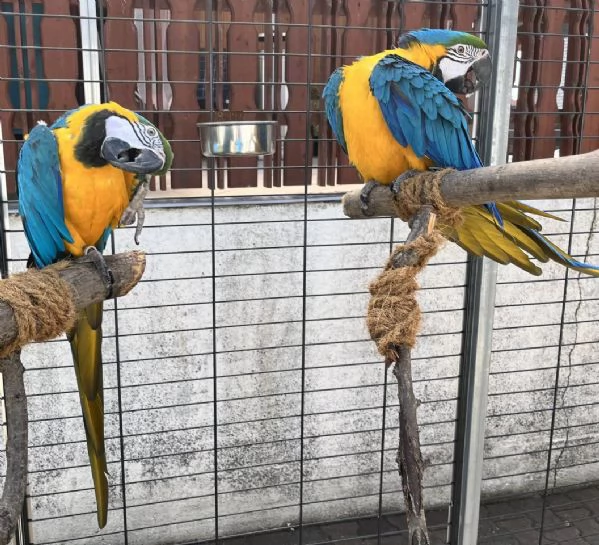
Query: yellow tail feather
479, 234
517, 205
515, 216
86, 346
517, 241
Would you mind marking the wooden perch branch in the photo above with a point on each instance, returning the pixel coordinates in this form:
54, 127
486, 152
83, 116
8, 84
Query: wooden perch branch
409, 457
16, 445
575, 176
86, 286
566, 177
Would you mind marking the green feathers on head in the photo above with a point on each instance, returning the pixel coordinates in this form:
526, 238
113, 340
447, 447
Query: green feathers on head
168, 151
447, 38
468, 39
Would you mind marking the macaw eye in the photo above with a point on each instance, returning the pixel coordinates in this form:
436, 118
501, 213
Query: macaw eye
151, 131
461, 49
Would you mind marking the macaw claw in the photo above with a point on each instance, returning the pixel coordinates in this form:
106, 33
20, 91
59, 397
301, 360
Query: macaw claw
395, 184
100, 263
136, 210
365, 197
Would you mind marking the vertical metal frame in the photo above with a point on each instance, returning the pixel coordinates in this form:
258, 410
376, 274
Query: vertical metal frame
502, 25
4, 224
90, 53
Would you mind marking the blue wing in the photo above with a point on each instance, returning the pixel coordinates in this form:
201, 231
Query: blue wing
423, 113
40, 197
101, 244
332, 108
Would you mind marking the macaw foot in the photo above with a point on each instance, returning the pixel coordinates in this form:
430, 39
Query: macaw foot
100, 263
395, 184
365, 197
136, 210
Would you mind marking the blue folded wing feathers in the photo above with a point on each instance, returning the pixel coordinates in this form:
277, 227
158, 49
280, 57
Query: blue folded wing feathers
559, 255
330, 95
443, 135
40, 196
421, 112
101, 244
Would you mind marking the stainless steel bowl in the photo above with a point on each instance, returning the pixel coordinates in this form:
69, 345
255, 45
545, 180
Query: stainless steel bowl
237, 138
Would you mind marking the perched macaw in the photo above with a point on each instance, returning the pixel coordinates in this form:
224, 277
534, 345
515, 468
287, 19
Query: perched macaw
396, 111
75, 179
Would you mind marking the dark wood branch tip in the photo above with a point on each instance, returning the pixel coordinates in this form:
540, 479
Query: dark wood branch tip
409, 456
420, 536
15, 482
86, 285
127, 269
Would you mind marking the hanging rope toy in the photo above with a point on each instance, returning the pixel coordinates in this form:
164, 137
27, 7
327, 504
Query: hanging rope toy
394, 316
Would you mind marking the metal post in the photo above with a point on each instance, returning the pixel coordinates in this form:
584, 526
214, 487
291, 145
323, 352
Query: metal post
4, 224
502, 26
90, 54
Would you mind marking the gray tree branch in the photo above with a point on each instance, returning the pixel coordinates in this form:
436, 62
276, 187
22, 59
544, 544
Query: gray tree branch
409, 456
15, 482
87, 287
575, 176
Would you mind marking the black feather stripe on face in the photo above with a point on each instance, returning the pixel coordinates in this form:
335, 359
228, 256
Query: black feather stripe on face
142, 136
89, 144
436, 70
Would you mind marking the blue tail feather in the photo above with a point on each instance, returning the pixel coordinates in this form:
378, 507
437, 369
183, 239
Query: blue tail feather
559, 255
491, 207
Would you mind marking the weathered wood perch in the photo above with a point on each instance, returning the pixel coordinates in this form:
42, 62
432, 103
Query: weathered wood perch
565, 177
575, 176
86, 284
15, 483
86, 287
409, 457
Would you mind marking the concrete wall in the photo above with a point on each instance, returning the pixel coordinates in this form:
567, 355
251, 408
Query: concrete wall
526, 349
167, 388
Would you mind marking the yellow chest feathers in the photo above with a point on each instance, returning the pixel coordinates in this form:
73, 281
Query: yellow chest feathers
371, 146
94, 197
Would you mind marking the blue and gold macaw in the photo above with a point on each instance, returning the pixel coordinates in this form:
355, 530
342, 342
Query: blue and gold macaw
396, 111
75, 180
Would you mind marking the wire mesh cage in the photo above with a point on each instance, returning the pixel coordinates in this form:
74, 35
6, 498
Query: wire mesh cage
245, 402
541, 416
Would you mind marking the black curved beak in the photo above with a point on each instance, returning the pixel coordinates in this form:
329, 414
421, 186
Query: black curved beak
121, 155
478, 74
483, 69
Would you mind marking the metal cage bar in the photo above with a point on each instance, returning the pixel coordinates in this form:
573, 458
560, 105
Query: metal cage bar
502, 24
295, 368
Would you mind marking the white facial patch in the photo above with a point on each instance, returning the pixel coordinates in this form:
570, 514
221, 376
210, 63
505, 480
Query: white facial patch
137, 135
451, 68
121, 128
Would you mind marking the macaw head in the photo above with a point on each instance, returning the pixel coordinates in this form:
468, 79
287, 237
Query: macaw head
461, 60
110, 134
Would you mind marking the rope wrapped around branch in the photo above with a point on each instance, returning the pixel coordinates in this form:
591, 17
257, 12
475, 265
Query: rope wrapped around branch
394, 315
393, 312
42, 303
422, 188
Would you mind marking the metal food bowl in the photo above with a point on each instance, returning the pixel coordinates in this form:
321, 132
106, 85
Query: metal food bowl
237, 138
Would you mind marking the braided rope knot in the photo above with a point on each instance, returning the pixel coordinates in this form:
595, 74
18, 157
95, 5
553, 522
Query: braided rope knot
394, 317
42, 304
424, 188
